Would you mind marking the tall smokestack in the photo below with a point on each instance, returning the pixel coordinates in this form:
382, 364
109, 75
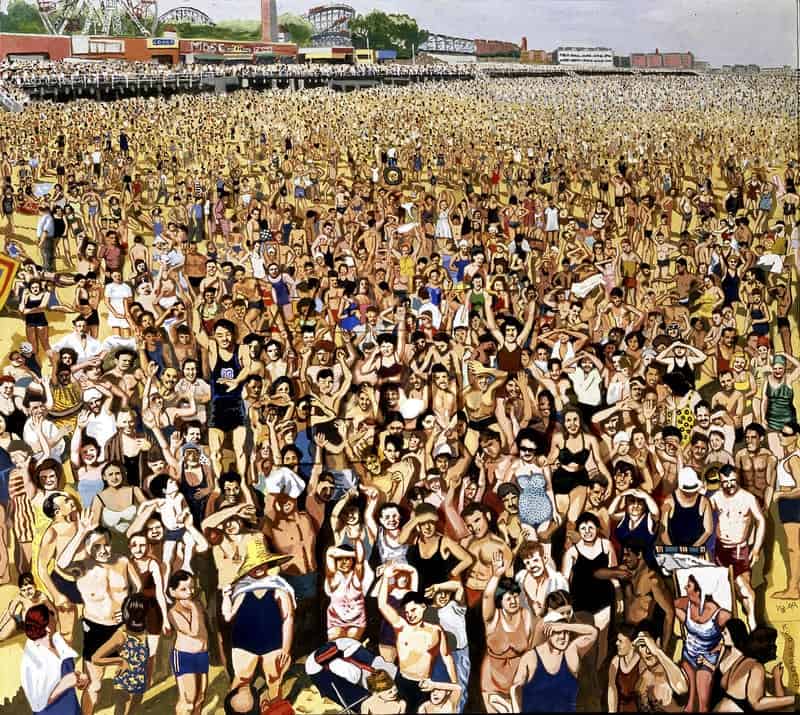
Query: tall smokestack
269, 21
524, 45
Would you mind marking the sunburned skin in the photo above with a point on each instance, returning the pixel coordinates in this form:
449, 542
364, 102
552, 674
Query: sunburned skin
405, 399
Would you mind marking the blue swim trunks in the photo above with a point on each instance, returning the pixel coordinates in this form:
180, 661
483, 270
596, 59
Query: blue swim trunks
189, 663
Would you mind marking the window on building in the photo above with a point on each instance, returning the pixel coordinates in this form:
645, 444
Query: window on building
106, 47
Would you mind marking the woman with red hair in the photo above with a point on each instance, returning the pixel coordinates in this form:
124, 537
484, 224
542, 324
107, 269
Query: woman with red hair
48, 671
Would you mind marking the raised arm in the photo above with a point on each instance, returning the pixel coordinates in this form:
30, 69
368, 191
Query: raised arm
491, 323
67, 556
756, 691
488, 608
387, 611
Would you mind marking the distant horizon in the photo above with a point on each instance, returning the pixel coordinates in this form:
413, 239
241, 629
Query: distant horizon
753, 32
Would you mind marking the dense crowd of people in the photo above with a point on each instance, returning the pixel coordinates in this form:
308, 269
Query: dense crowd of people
22, 72
470, 396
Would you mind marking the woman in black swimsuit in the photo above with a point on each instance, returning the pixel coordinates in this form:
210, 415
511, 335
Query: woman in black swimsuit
83, 303
384, 363
436, 558
34, 303
590, 592
789, 208
571, 450
743, 656
493, 211
8, 210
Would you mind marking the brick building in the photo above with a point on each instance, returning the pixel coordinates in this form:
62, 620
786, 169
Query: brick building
662, 60
494, 48
89, 47
536, 57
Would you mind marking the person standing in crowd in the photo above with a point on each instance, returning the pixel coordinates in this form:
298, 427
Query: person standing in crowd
454, 401
48, 674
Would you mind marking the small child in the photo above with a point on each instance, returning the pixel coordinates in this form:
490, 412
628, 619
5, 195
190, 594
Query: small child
174, 512
12, 621
127, 648
190, 654
444, 697
384, 699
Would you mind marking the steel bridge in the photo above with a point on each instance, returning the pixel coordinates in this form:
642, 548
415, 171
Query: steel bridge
448, 45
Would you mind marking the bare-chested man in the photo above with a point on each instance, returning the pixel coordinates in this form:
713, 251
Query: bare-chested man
418, 643
104, 582
228, 555
643, 590
292, 532
63, 512
482, 544
447, 353
253, 291
670, 458
617, 313
740, 522
539, 577
756, 466
729, 398
784, 302
326, 397
444, 398
125, 376
660, 679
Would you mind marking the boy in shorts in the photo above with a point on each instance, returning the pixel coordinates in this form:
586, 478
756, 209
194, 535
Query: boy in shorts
190, 654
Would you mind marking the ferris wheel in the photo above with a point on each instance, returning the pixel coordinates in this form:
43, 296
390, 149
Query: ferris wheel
98, 16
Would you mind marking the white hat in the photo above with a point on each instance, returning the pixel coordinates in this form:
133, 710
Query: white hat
621, 436
554, 617
688, 481
92, 394
443, 449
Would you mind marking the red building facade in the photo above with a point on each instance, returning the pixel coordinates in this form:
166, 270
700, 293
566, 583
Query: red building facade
166, 50
665, 60
93, 47
491, 48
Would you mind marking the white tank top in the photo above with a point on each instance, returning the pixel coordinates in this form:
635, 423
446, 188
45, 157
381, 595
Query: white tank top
258, 265
783, 476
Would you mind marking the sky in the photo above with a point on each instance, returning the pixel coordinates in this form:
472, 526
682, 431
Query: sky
718, 31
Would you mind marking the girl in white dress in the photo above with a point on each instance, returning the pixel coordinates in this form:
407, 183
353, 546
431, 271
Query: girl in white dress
444, 229
117, 297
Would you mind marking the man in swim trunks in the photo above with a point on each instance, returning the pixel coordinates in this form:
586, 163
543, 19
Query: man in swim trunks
104, 581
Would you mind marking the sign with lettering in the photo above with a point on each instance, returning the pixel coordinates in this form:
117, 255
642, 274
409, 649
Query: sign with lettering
162, 43
229, 48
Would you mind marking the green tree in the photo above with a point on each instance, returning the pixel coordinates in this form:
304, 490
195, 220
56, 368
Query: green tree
387, 31
408, 33
234, 30
297, 28
21, 16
